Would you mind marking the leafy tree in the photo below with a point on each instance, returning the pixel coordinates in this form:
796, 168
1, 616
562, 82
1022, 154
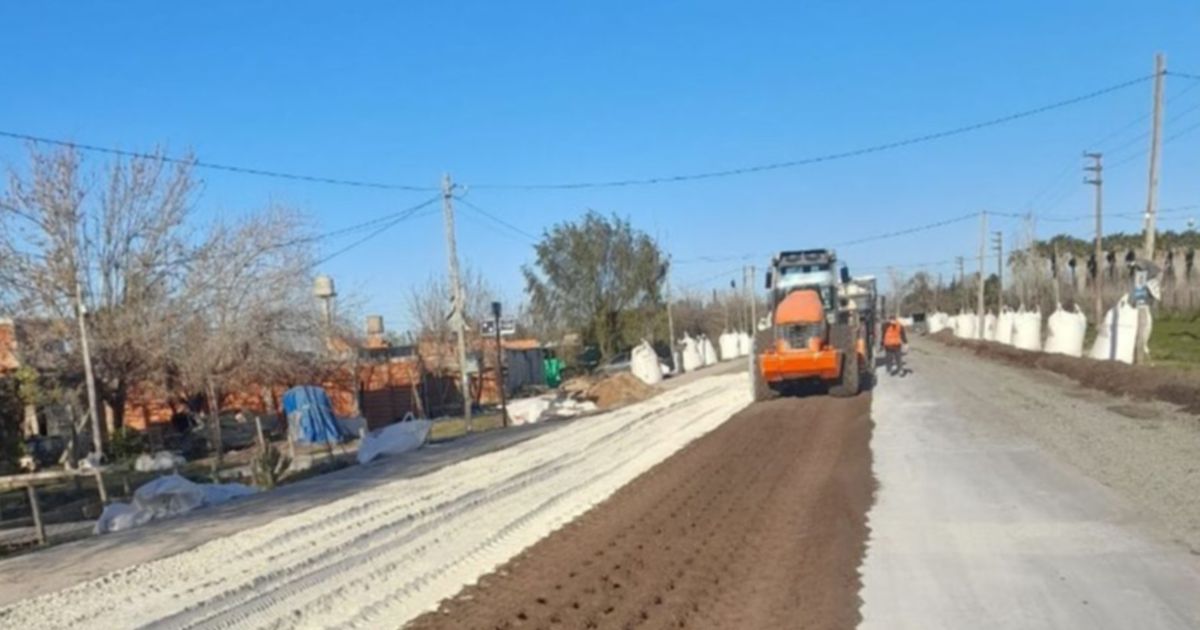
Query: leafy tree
600, 277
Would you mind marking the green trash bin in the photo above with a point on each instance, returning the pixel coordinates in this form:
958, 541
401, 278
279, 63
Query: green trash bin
552, 368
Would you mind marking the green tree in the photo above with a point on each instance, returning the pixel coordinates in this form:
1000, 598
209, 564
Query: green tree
600, 277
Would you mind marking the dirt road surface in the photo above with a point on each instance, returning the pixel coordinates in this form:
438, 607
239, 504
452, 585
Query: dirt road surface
383, 554
759, 524
1012, 498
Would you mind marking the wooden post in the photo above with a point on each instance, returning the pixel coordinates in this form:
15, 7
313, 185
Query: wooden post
38, 526
99, 476
262, 441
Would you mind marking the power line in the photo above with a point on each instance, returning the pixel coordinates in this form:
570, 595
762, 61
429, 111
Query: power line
496, 219
913, 230
830, 156
380, 230
316, 179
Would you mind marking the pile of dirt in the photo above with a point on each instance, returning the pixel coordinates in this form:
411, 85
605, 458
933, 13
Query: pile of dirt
1144, 382
617, 390
759, 524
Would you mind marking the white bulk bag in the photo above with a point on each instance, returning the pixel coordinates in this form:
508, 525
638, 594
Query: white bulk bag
407, 435
1117, 338
691, 355
938, 322
989, 327
1027, 330
964, 327
745, 344
1004, 327
729, 345
708, 352
1066, 330
643, 362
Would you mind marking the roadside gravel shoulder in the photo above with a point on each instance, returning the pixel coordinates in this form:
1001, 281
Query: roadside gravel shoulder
1147, 452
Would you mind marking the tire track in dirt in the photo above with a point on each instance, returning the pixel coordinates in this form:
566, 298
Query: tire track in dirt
759, 524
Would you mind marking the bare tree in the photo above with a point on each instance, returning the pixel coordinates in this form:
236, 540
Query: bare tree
247, 315
118, 245
429, 305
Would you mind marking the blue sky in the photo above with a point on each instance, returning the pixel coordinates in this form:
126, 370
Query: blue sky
532, 92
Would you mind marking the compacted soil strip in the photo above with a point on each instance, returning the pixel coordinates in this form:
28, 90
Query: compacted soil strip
759, 524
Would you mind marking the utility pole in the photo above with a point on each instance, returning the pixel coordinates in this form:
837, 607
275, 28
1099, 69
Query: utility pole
998, 247
500, 365
1143, 308
670, 321
1097, 180
962, 282
457, 318
1160, 69
88, 375
979, 307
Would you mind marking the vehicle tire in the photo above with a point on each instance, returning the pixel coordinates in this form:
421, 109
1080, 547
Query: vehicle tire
849, 384
760, 389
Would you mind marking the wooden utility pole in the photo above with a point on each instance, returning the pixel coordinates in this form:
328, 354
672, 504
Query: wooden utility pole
979, 306
88, 375
1160, 70
998, 246
1097, 180
457, 317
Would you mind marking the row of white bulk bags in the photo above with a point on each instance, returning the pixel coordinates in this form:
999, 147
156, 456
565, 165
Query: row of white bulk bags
691, 355
1066, 331
643, 362
1117, 338
1005, 323
1027, 330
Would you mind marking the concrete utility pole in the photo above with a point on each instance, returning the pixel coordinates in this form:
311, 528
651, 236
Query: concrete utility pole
998, 246
979, 306
1097, 180
457, 318
88, 375
962, 282
670, 321
1160, 70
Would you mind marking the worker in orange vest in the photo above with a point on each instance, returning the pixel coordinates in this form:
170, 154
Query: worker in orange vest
894, 339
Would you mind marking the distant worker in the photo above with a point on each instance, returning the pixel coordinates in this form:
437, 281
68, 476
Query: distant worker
894, 339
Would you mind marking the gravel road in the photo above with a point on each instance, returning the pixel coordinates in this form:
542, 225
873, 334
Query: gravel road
1011, 498
759, 524
384, 554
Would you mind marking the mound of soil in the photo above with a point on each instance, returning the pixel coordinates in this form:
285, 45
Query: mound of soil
619, 389
1145, 382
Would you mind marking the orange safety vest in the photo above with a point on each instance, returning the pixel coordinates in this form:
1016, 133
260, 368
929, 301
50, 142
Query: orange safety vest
891, 335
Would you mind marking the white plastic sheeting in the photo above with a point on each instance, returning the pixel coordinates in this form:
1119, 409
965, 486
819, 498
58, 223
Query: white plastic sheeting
165, 497
1117, 338
1027, 330
399, 437
728, 343
1065, 330
643, 363
1005, 323
709, 353
989, 327
547, 407
158, 462
692, 360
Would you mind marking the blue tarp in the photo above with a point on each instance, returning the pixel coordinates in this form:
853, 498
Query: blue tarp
310, 415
